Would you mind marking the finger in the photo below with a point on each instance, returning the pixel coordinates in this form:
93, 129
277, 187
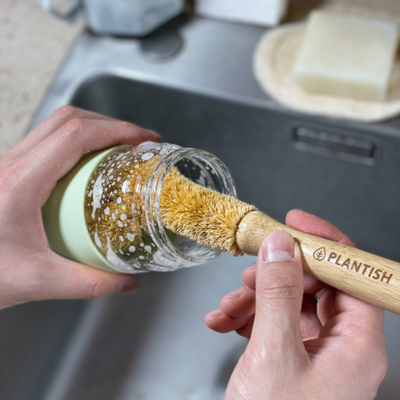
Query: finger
49, 126
70, 280
240, 303
249, 277
316, 226
58, 154
360, 328
310, 325
222, 323
313, 225
326, 307
247, 328
362, 316
313, 286
279, 294
352, 318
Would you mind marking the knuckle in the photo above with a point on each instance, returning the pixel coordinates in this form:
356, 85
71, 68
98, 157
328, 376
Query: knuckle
73, 128
94, 289
378, 372
66, 112
279, 286
382, 368
378, 362
383, 371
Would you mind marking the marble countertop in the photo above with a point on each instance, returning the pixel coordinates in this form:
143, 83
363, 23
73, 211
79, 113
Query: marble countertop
33, 44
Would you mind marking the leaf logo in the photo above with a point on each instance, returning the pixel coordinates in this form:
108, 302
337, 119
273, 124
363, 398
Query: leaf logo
319, 254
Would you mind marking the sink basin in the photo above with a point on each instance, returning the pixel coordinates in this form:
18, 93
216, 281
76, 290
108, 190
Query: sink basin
153, 344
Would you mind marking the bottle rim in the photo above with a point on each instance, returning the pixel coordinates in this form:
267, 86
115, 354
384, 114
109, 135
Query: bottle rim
154, 184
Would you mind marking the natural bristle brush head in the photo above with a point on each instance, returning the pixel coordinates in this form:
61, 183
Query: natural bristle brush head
201, 214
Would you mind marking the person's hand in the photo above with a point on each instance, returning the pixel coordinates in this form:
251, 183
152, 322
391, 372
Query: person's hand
29, 270
307, 340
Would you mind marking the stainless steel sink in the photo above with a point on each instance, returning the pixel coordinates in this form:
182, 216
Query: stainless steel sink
200, 93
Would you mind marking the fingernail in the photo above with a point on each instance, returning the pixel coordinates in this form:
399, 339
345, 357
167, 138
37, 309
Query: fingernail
154, 136
215, 313
236, 293
278, 246
127, 285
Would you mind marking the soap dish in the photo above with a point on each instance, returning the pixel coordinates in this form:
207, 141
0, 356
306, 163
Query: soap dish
273, 62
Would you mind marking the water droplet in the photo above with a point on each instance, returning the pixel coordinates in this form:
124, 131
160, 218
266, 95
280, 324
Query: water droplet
125, 186
97, 240
97, 194
147, 156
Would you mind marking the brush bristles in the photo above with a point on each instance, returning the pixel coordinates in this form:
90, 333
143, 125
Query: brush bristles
201, 214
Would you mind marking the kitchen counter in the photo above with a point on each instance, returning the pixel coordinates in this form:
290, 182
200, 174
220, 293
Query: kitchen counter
33, 45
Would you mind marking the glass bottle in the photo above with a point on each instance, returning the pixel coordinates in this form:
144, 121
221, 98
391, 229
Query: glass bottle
106, 212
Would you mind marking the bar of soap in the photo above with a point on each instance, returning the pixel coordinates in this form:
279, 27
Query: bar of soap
346, 55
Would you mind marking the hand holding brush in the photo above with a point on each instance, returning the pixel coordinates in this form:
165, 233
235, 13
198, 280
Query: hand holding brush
300, 348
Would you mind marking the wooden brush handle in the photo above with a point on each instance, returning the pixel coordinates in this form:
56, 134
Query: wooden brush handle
356, 272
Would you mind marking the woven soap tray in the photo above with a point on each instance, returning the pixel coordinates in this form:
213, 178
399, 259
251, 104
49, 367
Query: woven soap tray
273, 63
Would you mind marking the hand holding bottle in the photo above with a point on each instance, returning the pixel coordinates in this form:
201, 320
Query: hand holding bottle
29, 270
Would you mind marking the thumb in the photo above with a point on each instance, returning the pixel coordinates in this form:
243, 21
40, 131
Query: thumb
279, 294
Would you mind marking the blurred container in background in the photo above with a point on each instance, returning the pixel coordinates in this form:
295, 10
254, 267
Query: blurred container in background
120, 17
